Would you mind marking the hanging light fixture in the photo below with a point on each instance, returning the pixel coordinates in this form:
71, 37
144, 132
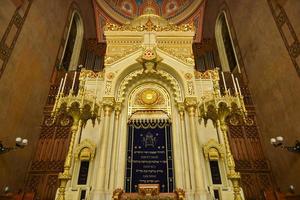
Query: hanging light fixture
20, 143
279, 142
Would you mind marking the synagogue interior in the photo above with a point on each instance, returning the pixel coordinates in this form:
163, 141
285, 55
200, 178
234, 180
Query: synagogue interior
149, 100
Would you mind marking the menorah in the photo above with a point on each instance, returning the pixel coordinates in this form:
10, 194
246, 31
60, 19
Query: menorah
81, 107
219, 107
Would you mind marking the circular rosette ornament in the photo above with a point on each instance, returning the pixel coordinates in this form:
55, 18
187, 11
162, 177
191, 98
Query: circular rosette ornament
248, 121
65, 121
234, 120
49, 121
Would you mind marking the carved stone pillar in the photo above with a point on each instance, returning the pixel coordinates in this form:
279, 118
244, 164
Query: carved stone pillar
115, 148
108, 105
191, 106
185, 155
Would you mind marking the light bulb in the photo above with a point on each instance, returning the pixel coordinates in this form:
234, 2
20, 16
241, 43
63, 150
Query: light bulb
24, 142
279, 138
18, 140
273, 140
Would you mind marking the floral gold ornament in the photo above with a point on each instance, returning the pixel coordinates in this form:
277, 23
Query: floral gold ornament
188, 76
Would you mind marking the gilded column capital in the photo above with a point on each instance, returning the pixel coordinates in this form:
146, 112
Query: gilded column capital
118, 108
108, 104
191, 105
180, 106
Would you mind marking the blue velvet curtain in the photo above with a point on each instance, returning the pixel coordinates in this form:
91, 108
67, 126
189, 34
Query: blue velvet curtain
149, 155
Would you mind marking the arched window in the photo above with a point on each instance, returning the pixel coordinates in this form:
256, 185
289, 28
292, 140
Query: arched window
214, 155
84, 155
225, 45
73, 46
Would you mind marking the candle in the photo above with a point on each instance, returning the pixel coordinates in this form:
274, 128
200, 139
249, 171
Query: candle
201, 87
64, 84
83, 94
224, 82
61, 81
93, 107
238, 84
96, 86
211, 80
74, 78
229, 92
234, 84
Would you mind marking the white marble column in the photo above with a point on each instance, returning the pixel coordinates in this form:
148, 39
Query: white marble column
115, 149
185, 157
200, 191
108, 104
121, 154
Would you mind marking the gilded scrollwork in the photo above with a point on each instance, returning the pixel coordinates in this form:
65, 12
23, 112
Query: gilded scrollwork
90, 74
181, 52
214, 74
118, 51
149, 26
108, 87
191, 89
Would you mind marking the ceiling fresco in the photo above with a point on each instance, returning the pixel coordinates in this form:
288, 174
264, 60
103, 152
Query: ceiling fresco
175, 11
165, 8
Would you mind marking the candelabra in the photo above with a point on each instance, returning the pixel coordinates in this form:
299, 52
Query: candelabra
278, 142
219, 107
80, 107
20, 143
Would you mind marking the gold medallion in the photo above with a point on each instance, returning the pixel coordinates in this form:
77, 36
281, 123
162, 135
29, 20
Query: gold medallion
149, 96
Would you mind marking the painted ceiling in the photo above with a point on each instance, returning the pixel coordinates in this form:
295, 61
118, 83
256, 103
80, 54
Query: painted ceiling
166, 8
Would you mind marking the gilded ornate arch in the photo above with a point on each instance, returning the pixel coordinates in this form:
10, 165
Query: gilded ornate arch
161, 75
213, 150
85, 150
